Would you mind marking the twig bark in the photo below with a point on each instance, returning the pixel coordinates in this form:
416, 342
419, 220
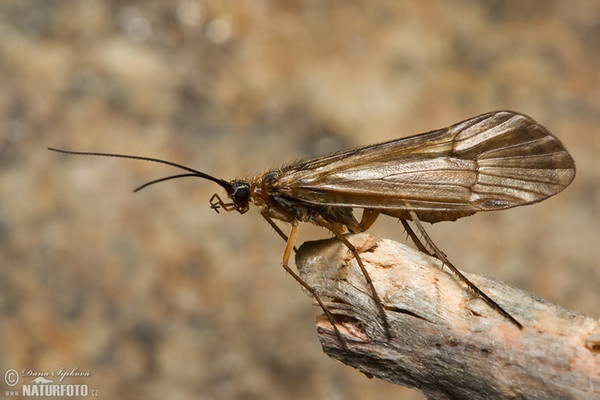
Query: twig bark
447, 343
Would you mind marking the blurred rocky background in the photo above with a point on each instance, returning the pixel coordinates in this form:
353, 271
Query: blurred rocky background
155, 294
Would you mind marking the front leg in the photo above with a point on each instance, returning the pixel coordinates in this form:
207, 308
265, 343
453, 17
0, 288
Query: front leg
274, 226
291, 240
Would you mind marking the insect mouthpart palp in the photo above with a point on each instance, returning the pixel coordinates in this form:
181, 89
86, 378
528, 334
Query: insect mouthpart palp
215, 202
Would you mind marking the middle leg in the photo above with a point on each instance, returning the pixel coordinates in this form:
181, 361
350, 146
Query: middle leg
324, 223
291, 239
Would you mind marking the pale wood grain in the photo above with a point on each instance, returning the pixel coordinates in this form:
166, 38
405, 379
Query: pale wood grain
447, 343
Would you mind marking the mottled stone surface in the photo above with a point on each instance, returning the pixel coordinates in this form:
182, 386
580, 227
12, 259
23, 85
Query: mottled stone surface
160, 297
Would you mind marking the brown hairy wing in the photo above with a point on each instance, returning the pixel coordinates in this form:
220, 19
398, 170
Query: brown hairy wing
493, 161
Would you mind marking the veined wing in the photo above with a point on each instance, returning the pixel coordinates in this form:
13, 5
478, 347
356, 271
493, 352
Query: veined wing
493, 161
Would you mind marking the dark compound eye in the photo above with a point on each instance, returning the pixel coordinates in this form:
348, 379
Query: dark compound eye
241, 194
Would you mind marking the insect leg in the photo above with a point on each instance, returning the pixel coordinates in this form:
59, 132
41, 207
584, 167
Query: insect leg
286, 258
216, 203
442, 257
278, 230
368, 218
350, 246
413, 236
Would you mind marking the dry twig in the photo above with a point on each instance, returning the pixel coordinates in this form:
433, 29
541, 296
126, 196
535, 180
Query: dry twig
446, 342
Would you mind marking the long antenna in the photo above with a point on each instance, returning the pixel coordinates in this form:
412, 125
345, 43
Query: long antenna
226, 185
145, 185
